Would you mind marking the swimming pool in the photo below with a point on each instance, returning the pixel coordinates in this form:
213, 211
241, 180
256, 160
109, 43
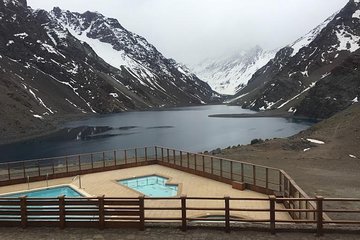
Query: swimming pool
66, 191
151, 186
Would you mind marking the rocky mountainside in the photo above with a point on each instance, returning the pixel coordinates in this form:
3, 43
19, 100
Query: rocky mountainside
60, 63
230, 74
316, 76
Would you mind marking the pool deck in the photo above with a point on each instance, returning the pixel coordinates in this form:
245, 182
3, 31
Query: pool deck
105, 183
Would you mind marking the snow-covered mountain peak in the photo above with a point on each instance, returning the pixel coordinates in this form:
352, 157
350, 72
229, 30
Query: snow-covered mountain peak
228, 74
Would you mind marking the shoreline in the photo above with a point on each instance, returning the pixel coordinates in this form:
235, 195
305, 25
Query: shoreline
267, 114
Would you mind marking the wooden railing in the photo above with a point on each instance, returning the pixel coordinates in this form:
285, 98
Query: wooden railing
267, 180
103, 212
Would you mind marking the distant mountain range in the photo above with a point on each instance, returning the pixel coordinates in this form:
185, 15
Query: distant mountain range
228, 75
61, 63
316, 76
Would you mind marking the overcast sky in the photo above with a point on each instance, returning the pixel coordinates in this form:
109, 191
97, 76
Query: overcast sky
192, 30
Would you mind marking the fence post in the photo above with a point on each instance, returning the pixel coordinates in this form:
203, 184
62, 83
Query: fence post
212, 166
142, 212
53, 167
227, 213
39, 171
203, 163
181, 159
92, 161
62, 212
156, 155
162, 154
115, 157
267, 178
79, 160
231, 170
125, 156
174, 157
66, 165
168, 155
272, 200
8, 168
242, 172
319, 215
221, 168
24, 171
23, 206
136, 157
254, 175
188, 160
195, 159
101, 212
183, 213
103, 159
146, 157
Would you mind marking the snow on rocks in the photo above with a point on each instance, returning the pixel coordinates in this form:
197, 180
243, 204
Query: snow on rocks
356, 14
37, 116
352, 156
315, 141
21, 35
115, 95
347, 41
355, 100
306, 149
10, 42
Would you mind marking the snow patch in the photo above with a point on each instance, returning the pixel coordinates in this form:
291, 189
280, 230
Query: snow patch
355, 100
306, 149
356, 14
115, 95
38, 116
352, 156
21, 35
315, 141
10, 42
347, 41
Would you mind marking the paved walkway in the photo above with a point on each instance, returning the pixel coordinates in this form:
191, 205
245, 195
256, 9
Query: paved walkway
156, 233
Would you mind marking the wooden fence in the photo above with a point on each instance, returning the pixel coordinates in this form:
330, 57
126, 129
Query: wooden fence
103, 212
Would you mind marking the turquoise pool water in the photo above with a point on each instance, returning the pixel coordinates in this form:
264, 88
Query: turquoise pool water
151, 186
47, 193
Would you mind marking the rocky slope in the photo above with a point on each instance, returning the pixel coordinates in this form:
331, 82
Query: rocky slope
55, 64
228, 75
310, 71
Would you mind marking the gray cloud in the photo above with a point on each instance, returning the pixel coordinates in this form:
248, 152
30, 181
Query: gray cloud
191, 30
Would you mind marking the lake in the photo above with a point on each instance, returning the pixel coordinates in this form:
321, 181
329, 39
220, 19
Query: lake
185, 128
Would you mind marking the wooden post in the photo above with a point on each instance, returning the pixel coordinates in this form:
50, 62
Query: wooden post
162, 154
267, 178
188, 160
231, 170
195, 159
79, 160
272, 200
203, 163
142, 212
125, 156
23, 207
181, 159
115, 157
136, 158
280, 182
156, 155
183, 213
103, 159
8, 168
242, 172
101, 212
168, 155
53, 167
146, 154
174, 157
227, 213
212, 165
62, 212
24, 171
66, 164
39, 171
319, 215
221, 168
92, 161
254, 175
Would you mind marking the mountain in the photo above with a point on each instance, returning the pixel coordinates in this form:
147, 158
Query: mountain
60, 63
230, 74
316, 76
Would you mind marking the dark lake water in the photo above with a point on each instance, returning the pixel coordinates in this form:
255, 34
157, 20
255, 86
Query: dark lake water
187, 128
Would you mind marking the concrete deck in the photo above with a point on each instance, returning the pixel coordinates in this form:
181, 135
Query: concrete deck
104, 183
